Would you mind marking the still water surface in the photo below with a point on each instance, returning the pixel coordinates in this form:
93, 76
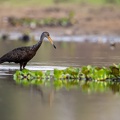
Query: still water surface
46, 103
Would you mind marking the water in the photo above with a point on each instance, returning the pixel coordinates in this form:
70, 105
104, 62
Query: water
13, 35
28, 103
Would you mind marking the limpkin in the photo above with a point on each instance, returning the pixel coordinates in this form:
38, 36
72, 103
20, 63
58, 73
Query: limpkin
23, 55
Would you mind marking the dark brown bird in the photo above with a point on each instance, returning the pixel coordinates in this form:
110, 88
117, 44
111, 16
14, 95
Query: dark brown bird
22, 55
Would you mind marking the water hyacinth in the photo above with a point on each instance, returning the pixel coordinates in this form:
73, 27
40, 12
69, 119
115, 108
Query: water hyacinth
68, 73
83, 73
27, 77
90, 78
96, 73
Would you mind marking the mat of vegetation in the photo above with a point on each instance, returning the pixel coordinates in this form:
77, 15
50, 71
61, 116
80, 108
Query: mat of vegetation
90, 78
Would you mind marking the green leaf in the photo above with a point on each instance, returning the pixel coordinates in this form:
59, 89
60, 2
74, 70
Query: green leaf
114, 71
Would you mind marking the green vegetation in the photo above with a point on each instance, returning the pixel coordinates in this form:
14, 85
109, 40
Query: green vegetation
89, 78
23, 3
85, 73
32, 23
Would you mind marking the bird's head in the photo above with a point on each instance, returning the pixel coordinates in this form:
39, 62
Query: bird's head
47, 35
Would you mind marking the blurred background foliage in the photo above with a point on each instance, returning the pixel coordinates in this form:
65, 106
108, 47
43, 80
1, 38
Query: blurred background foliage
51, 2
75, 14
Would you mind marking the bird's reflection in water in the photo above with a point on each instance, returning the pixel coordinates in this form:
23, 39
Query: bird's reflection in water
51, 97
34, 89
43, 97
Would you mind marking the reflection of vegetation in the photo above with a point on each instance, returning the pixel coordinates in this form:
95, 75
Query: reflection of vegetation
91, 79
101, 86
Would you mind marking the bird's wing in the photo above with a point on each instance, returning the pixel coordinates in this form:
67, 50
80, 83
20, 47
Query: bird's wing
15, 55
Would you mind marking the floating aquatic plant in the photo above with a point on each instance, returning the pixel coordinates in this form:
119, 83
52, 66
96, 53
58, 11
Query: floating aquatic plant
27, 77
83, 73
90, 78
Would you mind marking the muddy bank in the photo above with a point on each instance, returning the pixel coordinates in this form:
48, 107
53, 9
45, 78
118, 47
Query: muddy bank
88, 19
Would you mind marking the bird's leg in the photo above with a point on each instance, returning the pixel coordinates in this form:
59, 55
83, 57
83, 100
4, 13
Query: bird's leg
24, 64
21, 66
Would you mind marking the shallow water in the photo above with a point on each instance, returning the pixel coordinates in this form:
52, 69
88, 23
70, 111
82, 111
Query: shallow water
45, 103
66, 38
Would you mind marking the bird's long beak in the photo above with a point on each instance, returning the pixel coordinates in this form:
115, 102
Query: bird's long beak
51, 41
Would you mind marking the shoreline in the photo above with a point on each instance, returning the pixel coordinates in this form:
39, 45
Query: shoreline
102, 20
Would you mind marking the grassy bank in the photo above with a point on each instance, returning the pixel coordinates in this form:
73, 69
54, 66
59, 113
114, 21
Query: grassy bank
54, 14
17, 3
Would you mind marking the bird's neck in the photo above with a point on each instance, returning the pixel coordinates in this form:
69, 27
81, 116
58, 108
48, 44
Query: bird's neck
36, 46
